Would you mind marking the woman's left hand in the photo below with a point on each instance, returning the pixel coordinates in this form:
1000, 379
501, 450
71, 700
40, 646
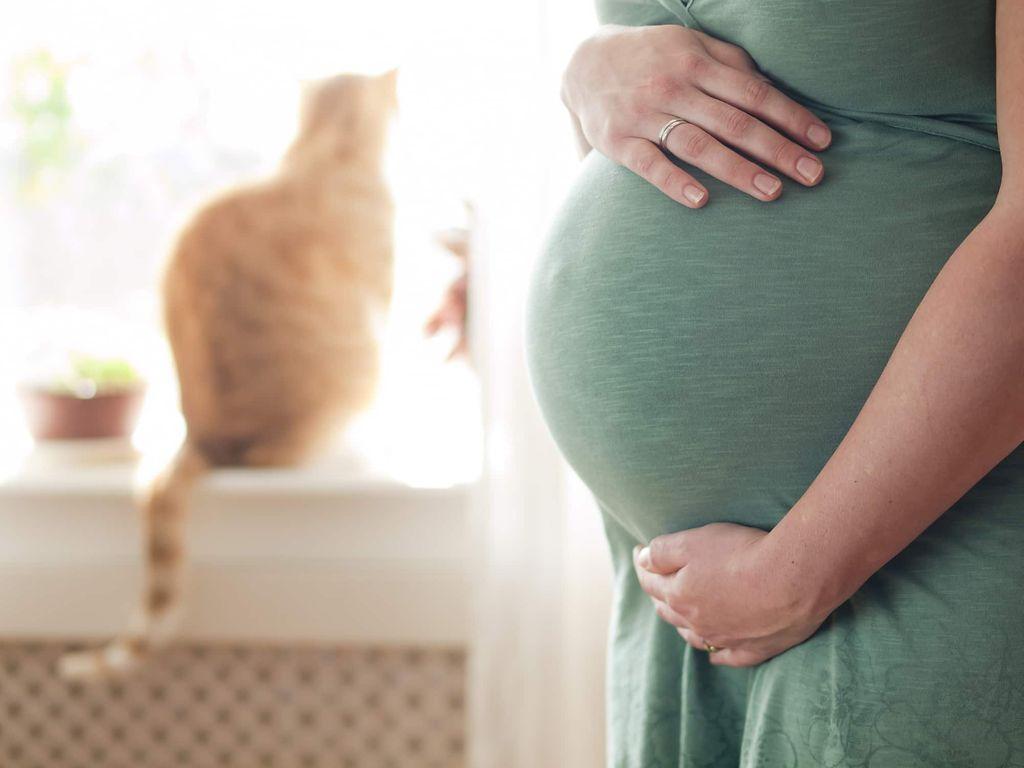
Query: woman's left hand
722, 584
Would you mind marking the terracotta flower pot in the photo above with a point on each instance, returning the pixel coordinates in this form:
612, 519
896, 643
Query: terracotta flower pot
63, 416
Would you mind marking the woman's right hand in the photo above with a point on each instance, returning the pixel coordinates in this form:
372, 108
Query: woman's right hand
623, 84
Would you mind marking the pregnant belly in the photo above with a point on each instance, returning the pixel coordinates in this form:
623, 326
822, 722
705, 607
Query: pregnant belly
701, 366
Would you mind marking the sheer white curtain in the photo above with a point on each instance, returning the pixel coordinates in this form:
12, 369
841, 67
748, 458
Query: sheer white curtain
537, 666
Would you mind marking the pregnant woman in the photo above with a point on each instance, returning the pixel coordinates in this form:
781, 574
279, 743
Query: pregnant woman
785, 351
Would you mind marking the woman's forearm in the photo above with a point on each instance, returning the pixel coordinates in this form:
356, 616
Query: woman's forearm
947, 408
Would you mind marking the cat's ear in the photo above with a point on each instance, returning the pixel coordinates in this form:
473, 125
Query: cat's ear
389, 80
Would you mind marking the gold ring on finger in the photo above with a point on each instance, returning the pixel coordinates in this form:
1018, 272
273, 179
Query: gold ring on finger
710, 648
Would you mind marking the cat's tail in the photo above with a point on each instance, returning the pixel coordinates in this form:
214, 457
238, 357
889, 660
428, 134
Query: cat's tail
165, 512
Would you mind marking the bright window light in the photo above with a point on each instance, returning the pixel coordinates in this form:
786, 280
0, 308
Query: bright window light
119, 117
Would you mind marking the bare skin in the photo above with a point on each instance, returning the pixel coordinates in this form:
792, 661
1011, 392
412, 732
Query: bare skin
623, 84
453, 310
948, 407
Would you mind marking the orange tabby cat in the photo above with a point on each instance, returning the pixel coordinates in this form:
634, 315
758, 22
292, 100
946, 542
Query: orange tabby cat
272, 300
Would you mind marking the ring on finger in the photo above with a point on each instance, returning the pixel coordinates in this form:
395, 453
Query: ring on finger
667, 129
710, 648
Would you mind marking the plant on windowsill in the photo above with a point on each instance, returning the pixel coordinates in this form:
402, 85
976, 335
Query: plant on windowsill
95, 398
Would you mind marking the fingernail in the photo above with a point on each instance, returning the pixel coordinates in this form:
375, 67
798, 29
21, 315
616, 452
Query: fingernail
818, 134
809, 168
694, 194
766, 184
644, 558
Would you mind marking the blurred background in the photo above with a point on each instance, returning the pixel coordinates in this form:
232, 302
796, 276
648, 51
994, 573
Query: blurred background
431, 593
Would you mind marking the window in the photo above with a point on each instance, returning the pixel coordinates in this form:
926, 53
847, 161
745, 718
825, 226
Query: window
117, 118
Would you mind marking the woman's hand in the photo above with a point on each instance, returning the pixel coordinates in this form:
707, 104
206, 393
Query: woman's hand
453, 310
624, 84
721, 584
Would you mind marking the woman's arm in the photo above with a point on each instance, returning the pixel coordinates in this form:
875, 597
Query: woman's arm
949, 405
947, 408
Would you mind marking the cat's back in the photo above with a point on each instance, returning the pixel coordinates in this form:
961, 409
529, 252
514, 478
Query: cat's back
233, 226
279, 225
272, 282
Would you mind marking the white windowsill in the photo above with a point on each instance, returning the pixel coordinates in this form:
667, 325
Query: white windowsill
330, 552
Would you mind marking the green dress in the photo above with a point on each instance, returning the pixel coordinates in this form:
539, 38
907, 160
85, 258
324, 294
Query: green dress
702, 365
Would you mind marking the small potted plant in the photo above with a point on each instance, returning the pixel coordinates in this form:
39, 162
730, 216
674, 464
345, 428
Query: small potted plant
95, 398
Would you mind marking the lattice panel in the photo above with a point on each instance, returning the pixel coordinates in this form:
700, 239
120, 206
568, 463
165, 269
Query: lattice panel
237, 707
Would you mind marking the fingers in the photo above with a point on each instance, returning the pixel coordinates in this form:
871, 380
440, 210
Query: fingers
452, 310
742, 656
731, 55
671, 616
757, 96
745, 132
456, 241
447, 314
737, 657
694, 145
649, 163
434, 323
665, 554
723, 657
656, 585
691, 637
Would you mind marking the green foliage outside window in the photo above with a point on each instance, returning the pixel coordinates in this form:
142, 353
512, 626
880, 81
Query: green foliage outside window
49, 146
